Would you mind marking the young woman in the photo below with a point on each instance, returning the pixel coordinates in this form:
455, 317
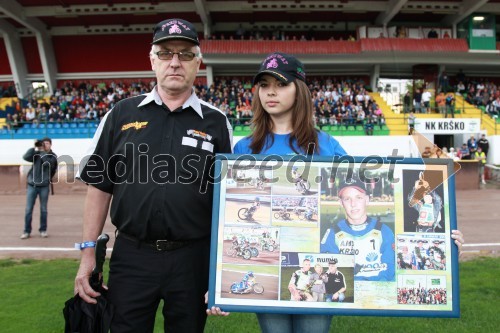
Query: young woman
283, 124
283, 113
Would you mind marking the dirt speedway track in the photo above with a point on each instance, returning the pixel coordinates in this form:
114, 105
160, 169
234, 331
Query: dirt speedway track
290, 190
477, 214
250, 190
264, 257
262, 215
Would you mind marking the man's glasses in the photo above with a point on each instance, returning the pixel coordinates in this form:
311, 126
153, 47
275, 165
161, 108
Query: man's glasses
169, 55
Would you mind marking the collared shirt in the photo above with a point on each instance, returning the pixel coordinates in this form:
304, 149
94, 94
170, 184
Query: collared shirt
335, 282
156, 164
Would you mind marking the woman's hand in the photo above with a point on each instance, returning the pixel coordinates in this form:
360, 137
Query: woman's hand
458, 237
214, 311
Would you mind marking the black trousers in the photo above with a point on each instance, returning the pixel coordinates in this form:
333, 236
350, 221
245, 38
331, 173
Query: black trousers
141, 276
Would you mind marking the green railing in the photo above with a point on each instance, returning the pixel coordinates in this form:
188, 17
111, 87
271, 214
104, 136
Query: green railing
241, 127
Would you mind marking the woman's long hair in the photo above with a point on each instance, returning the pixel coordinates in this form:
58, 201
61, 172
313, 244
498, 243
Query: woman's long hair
303, 130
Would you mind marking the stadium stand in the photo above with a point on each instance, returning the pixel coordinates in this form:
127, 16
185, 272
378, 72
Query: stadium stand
383, 41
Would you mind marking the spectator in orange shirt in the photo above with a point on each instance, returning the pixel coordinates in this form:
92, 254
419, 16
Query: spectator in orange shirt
441, 103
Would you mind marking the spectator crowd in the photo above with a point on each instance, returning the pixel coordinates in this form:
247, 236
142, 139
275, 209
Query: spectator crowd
340, 102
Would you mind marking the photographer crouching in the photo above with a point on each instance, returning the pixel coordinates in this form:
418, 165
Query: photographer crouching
38, 182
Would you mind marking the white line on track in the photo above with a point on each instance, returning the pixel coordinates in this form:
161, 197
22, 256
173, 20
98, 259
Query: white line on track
481, 244
57, 249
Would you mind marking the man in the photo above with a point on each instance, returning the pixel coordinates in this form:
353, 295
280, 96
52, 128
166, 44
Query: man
426, 100
152, 155
428, 204
299, 285
449, 103
484, 144
411, 123
432, 33
480, 156
472, 145
367, 238
417, 101
407, 102
38, 182
464, 152
441, 103
335, 283
419, 255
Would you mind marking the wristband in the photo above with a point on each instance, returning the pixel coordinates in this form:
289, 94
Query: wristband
84, 245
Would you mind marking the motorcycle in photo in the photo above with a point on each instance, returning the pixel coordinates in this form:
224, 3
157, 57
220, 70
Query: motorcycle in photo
246, 213
302, 186
268, 245
246, 286
282, 215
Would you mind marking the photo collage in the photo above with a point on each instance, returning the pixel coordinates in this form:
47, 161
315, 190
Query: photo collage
310, 236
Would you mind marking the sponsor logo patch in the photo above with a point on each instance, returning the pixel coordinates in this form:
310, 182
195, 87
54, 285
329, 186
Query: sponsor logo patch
137, 125
199, 134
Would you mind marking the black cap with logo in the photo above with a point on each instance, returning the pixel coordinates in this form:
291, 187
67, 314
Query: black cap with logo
283, 67
175, 29
353, 182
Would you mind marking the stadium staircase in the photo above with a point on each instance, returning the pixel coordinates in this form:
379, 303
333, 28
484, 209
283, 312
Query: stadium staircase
468, 110
395, 122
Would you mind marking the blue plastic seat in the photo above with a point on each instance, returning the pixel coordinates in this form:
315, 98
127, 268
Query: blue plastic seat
65, 125
50, 125
82, 125
72, 125
5, 134
41, 125
57, 125
27, 125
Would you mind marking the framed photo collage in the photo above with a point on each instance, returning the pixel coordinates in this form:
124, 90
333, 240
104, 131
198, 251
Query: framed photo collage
333, 237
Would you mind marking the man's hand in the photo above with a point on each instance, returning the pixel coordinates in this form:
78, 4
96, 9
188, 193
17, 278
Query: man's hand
82, 285
294, 292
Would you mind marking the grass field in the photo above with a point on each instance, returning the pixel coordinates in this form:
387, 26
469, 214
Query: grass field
33, 293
